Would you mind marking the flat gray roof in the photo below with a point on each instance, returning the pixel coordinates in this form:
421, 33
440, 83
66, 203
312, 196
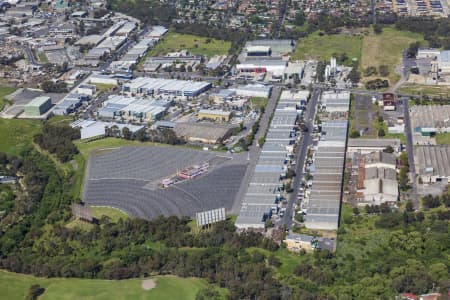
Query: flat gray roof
433, 160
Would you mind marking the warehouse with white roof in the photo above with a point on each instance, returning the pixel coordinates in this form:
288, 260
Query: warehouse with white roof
133, 109
322, 211
265, 187
335, 101
160, 86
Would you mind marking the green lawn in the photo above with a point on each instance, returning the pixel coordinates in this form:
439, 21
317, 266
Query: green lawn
386, 49
443, 138
113, 213
195, 44
16, 135
323, 47
259, 102
15, 286
4, 91
42, 57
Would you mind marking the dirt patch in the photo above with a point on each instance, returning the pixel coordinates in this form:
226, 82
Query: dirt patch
148, 284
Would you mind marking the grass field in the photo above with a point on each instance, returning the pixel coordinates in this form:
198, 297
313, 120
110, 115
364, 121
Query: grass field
400, 136
4, 91
42, 57
195, 44
386, 49
102, 87
322, 47
113, 213
259, 102
443, 138
15, 286
432, 91
15, 135
362, 232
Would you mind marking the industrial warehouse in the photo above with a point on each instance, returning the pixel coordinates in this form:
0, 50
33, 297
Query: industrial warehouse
433, 163
429, 120
261, 57
266, 185
170, 87
133, 109
322, 210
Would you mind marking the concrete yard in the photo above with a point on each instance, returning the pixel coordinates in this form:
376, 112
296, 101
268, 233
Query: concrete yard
128, 178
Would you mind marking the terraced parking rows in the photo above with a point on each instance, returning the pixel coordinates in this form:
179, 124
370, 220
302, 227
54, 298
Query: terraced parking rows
215, 189
147, 163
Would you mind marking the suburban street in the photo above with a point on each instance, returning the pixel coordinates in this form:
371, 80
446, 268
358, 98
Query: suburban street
302, 151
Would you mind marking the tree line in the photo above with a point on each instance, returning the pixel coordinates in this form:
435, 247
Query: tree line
58, 140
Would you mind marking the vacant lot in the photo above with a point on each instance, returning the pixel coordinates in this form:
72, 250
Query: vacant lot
16, 135
102, 87
363, 115
15, 286
195, 44
259, 102
42, 57
386, 49
432, 91
443, 138
323, 47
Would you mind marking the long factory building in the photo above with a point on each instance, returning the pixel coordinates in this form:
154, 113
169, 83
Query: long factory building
264, 189
160, 86
322, 211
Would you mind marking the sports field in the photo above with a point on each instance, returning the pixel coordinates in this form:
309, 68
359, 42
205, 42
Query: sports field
386, 49
15, 286
322, 47
195, 44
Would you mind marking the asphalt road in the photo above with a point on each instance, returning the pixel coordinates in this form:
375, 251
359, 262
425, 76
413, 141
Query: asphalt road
94, 105
282, 18
403, 69
302, 151
30, 56
410, 151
